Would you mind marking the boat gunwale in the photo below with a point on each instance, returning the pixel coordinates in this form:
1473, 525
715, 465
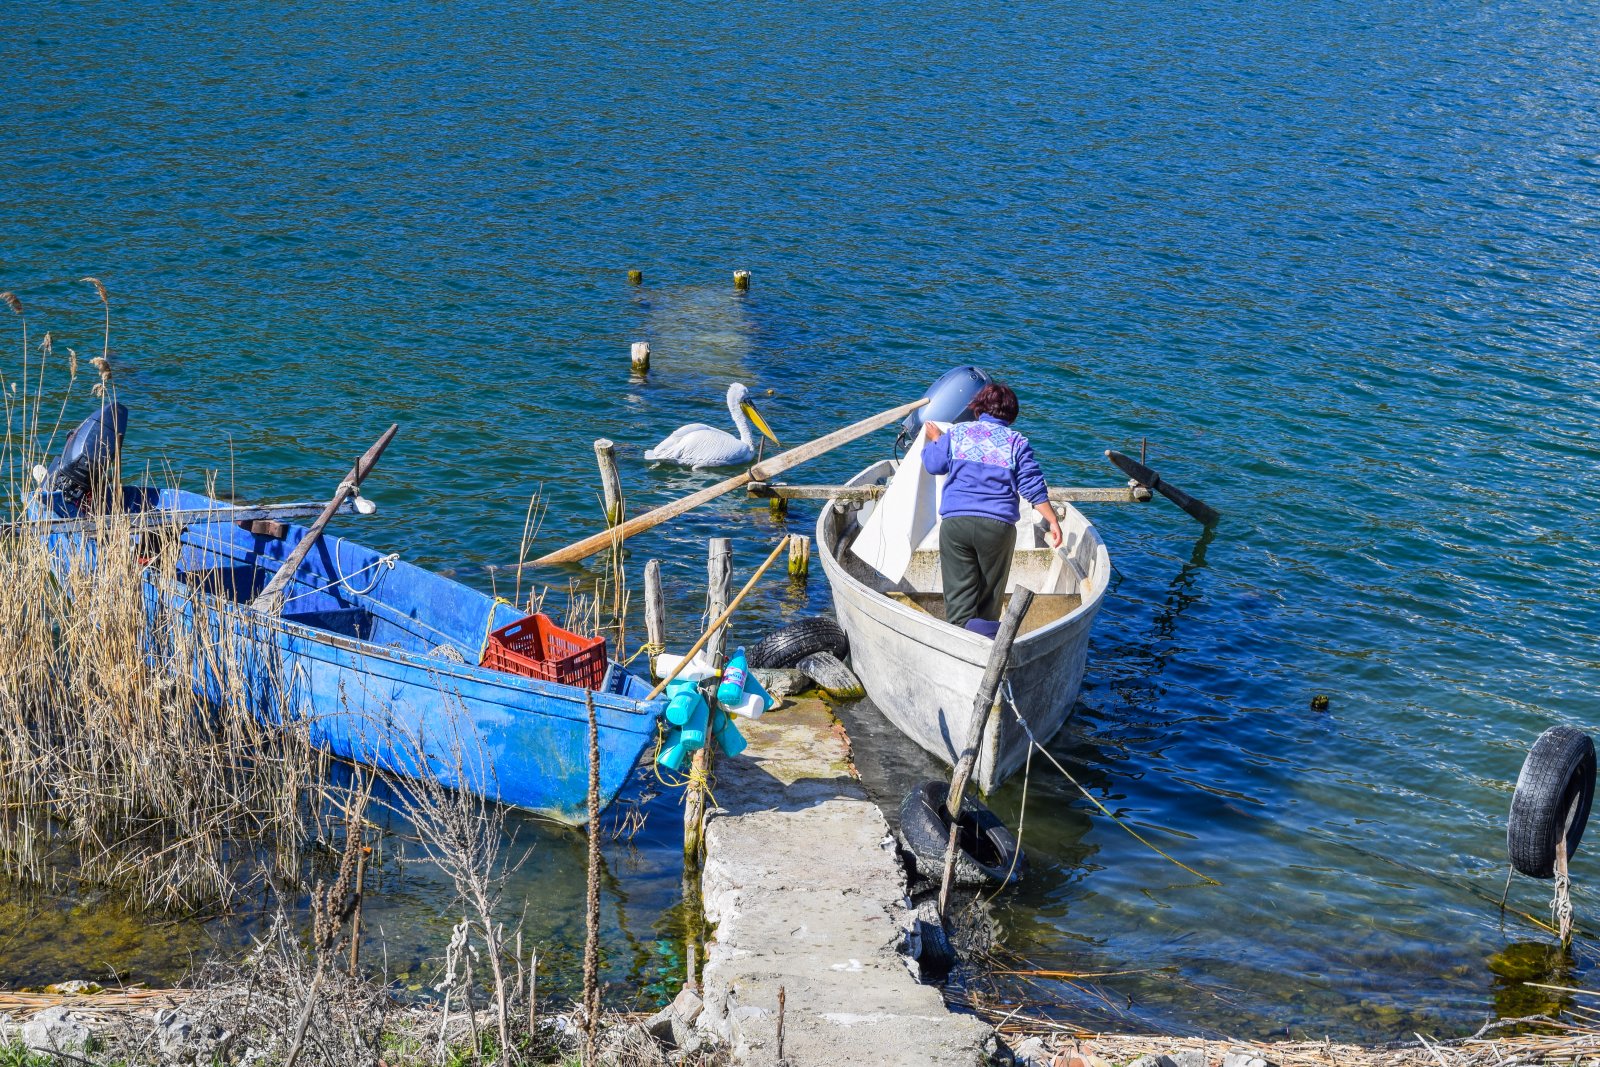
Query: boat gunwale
520, 685
975, 643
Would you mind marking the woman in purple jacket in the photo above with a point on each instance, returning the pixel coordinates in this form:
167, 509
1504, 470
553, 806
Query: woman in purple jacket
988, 465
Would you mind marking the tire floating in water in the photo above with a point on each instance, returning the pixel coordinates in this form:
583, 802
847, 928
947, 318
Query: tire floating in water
1554, 792
795, 642
987, 853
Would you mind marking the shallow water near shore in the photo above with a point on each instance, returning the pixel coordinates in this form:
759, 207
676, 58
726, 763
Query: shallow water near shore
1334, 264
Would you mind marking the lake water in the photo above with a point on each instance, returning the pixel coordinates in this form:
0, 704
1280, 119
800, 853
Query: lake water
1336, 262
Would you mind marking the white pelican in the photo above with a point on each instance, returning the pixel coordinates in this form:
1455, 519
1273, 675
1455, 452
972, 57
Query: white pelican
698, 445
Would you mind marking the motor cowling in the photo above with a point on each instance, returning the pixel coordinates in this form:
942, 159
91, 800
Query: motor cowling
90, 455
947, 400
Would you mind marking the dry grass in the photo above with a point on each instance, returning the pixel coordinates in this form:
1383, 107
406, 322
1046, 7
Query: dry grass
114, 769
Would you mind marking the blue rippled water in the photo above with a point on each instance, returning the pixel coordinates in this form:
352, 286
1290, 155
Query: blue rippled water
1336, 262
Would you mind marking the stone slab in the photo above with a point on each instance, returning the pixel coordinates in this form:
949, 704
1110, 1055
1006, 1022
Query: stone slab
806, 892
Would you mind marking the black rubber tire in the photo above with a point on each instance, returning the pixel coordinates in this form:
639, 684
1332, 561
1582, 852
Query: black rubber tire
988, 854
1554, 792
795, 642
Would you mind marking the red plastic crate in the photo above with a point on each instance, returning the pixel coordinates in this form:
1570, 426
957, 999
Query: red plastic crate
538, 648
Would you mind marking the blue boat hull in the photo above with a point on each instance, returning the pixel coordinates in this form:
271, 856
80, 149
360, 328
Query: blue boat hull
377, 659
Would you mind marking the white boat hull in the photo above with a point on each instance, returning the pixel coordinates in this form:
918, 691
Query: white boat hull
923, 674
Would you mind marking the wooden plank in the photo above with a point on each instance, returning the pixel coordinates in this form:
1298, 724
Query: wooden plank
760, 472
154, 520
1110, 494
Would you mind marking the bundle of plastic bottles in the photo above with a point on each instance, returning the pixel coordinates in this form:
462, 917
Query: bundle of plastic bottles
691, 719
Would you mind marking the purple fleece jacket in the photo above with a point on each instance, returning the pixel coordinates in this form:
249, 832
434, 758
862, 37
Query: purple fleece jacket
988, 464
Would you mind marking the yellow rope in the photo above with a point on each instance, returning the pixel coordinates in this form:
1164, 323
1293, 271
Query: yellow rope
1010, 699
489, 627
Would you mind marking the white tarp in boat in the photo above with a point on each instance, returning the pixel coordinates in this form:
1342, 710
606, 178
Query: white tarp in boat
906, 514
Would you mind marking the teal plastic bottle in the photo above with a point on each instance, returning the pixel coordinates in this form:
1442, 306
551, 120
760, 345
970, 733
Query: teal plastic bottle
731, 691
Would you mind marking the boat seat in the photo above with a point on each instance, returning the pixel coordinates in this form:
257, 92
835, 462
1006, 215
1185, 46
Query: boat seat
351, 622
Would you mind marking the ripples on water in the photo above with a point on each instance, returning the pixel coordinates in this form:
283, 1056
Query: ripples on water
1335, 262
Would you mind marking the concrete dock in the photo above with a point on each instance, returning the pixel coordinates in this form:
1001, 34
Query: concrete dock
803, 885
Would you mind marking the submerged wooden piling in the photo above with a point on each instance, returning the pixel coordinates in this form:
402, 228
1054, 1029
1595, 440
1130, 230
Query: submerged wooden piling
741, 280
641, 357
605, 454
799, 557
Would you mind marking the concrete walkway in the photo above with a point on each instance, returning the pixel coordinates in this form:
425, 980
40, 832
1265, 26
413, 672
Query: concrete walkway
802, 882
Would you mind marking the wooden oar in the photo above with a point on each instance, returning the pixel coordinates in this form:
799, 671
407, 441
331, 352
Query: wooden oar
270, 599
1198, 510
761, 472
1010, 623
718, 622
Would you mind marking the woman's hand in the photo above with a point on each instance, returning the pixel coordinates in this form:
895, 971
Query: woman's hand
934, 433
1048, 513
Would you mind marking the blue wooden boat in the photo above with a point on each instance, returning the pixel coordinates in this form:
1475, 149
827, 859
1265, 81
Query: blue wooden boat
378, 658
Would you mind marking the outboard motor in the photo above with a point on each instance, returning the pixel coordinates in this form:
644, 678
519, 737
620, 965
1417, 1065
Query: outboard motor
947, 401
90, 454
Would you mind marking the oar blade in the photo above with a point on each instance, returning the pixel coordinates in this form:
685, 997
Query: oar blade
1196, 509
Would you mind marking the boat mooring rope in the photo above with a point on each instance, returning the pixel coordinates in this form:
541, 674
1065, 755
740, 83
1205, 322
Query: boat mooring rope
1033, 743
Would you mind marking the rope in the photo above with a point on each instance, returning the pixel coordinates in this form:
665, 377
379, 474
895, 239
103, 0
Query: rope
488, 627
1561, 903
1022, 815
1034, 744
340, 579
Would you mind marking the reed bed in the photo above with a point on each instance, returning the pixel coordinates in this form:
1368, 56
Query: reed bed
114, 770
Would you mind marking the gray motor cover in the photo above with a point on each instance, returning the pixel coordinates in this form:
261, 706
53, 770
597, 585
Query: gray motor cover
947, 399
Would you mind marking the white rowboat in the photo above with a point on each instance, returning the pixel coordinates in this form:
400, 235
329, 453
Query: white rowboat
923, 673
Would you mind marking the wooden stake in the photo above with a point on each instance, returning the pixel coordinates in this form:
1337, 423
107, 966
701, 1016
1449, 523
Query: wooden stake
591, 940
982, 704
355, 915
719, 590
655, 610
641, 357
799, 556
763, 472
636, 277
605, 453
741, 280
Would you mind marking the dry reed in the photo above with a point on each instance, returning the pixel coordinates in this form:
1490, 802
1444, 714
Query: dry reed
115, 768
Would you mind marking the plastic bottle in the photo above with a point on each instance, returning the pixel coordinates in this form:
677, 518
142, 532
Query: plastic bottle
681, 698
731, 691
673, 753
694, 729
729, 739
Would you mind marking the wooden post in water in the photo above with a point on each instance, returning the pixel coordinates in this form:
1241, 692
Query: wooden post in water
655, 611
741, 280
605, 453
799, 557
982, 705
636, 277
719, 590
641, 357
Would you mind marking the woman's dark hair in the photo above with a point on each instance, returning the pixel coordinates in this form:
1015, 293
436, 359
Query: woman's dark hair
997, 400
